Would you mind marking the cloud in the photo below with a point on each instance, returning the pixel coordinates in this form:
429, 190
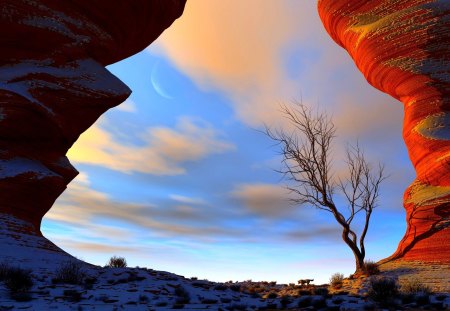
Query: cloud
95, 223
93, 247
263, 199
369, 117
262, 52
90, 217
162, 152
187, 200
239, 47
127, 106
88, 206
331, 233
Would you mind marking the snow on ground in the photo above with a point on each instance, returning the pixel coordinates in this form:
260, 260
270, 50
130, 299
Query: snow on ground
137, 289
147, 289
104, 288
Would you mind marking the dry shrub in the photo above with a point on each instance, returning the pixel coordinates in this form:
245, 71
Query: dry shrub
336, 280
70, 272
414, 286
383, 290
117, 262
371, 267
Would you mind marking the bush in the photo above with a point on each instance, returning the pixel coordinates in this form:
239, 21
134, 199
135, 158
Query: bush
414, 290
117, 262
70, 272
17, 280
371, 267
414, 286
383, 290
336, 280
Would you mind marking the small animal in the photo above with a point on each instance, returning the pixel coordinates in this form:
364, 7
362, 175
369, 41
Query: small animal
305, 281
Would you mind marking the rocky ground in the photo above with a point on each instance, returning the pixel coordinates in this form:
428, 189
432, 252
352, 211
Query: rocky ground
434, 276
146, 289
81, 286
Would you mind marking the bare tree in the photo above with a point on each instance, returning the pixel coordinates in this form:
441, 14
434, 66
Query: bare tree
307, 164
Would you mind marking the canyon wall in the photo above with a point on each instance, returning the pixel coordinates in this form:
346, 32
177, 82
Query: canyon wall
403, 49
53, 86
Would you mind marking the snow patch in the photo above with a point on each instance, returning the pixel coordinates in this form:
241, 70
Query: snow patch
18, 166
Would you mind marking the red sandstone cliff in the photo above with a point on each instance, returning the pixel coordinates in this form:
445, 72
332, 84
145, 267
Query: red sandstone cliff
403, 49
53, 86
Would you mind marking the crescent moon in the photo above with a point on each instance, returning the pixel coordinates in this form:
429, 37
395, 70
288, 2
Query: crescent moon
153, 77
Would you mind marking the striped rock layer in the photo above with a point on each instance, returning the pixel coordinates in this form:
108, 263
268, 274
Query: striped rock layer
54, 85
403, 49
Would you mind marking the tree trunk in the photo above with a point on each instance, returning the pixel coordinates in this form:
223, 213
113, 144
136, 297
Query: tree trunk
359, 257
360, 267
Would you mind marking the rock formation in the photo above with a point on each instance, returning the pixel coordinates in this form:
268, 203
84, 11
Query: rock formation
403, 49
54, 85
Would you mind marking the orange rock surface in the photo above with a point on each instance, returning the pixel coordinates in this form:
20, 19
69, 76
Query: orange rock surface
54, 85
403, 49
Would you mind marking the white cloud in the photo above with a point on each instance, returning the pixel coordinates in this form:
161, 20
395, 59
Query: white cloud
127, 106
187, 200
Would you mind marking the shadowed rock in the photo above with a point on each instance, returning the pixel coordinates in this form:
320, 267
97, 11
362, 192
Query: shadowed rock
53, 86
403, 49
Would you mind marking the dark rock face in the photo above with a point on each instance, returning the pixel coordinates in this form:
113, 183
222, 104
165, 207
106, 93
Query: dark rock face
54, 85
403, 49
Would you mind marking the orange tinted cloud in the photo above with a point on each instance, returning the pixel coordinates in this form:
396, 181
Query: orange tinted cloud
240, 47
237, 47
164, 151
93, 247
264, 199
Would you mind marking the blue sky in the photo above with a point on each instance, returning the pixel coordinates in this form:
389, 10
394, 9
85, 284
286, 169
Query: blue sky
179, 178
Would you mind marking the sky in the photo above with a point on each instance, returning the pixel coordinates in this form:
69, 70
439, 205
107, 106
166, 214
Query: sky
180, 178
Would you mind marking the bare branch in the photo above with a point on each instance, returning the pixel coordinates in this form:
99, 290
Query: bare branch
307, 165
